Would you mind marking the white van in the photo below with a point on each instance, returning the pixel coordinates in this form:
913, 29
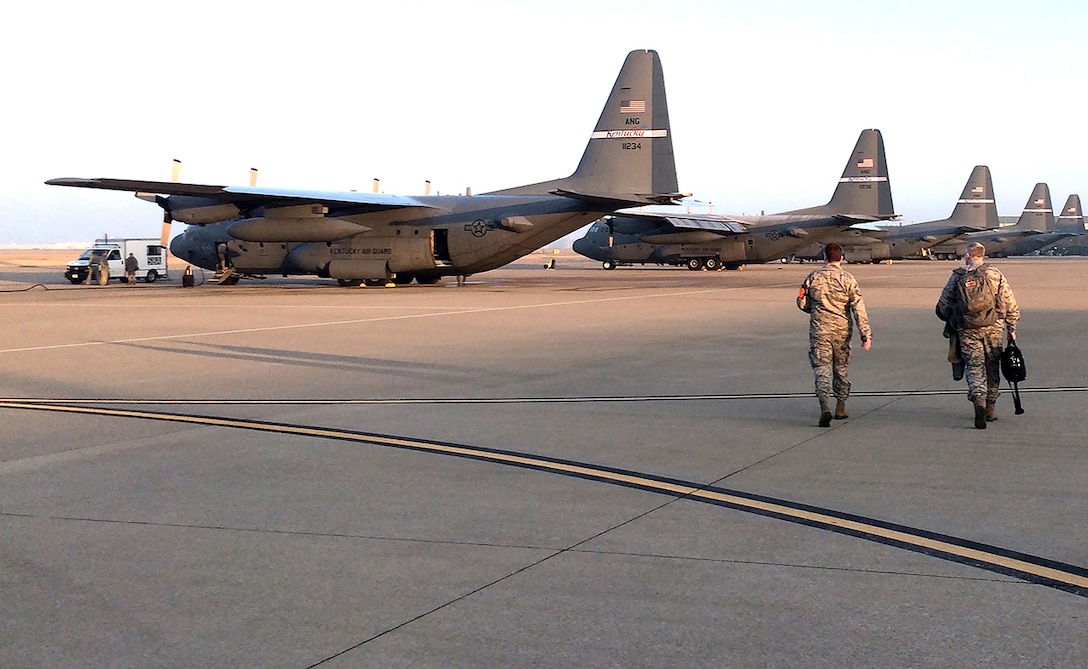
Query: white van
149, 253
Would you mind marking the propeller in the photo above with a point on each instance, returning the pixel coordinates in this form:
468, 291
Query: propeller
175, 174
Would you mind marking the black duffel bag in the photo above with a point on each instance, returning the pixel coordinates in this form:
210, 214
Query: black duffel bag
1014, 371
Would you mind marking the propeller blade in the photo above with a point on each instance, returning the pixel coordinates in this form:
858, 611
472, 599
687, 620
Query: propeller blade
164, 236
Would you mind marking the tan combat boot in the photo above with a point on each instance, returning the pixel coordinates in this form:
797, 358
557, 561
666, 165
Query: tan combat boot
825, 413
980, 415
991, 410
840, 410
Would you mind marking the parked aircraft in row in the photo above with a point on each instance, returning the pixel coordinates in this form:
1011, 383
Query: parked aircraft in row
376, 238
1034, 230
975, 210
863, 194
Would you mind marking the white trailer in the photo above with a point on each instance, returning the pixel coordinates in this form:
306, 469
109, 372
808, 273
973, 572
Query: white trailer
151, 255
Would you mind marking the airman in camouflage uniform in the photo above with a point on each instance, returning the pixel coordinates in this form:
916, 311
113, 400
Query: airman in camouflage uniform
981, 347
832, 298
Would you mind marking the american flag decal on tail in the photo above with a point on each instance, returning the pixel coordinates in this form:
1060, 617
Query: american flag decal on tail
632, 106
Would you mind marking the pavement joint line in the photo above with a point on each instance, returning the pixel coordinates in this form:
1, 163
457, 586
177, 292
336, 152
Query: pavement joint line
1040, 571
480, 544
509, 400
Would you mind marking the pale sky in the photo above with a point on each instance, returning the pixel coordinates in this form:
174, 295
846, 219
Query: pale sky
766, 98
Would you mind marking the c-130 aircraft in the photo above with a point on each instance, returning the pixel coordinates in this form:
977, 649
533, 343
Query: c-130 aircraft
376, 238
710, 241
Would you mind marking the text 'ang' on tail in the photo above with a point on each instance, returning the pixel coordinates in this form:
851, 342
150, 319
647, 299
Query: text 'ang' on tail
629, 157
864, 192
977, 207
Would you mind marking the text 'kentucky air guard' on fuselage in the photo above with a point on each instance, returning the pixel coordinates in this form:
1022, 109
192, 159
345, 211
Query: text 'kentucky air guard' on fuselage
376, 237
709, 241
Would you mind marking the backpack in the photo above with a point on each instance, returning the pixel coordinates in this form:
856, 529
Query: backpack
978, 299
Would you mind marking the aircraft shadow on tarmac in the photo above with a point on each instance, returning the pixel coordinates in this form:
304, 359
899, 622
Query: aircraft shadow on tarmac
398, 368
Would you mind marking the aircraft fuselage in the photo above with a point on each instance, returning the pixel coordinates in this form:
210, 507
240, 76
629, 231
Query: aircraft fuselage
767, 238
458, 235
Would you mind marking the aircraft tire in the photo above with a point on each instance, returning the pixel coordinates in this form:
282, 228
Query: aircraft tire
693, 264
348, 282
608, 264
712, 264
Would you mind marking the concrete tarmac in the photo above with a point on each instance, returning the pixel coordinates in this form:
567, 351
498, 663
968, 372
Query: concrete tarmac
540, 468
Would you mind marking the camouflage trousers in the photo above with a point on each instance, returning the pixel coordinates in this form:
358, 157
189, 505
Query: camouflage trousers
981, 352
830, 358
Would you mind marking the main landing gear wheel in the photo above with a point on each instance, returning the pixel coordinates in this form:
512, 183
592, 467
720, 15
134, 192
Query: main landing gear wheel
693, 264
712, 264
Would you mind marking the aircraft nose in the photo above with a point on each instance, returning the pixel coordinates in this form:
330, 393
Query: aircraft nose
584, 247
181, 248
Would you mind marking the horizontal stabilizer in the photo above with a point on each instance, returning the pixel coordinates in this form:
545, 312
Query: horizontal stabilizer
865, 218
621, 199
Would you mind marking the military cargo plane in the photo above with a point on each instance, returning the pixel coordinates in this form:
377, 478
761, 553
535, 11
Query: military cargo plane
1036, 221
378, 238
711, 241
1064, 225
975, 210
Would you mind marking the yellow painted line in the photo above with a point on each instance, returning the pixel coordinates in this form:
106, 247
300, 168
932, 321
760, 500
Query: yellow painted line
1023, 566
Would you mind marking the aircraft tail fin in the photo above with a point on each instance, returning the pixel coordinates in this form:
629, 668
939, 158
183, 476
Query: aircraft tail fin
864, 191
977, 207
629, 157
1038, 212
1072, 217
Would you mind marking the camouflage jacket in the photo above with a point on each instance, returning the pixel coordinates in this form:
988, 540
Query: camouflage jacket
949, 308
834, 304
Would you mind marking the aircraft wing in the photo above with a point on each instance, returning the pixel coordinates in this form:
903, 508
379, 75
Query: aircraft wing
685, 230
721, 226
248, 197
